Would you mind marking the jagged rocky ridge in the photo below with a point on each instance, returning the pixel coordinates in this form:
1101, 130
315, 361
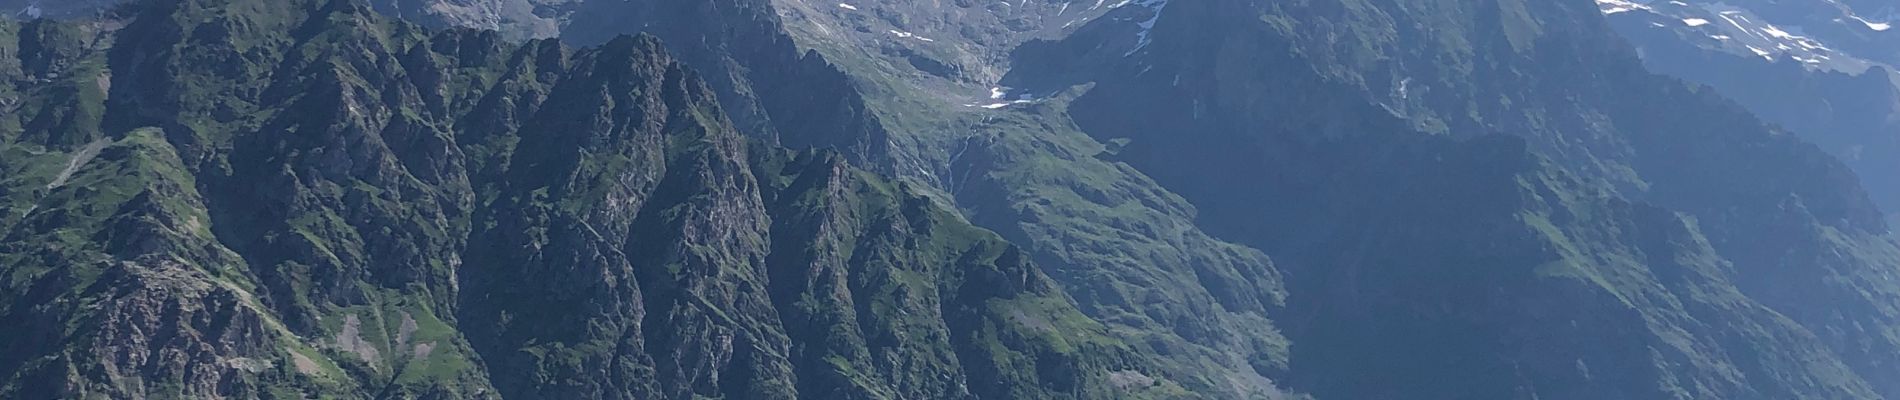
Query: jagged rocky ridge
260, 199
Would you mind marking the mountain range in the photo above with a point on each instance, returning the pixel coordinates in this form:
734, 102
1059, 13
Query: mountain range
909, 199
1823, 70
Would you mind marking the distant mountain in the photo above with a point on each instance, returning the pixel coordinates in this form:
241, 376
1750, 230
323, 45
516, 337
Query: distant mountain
898, 199
1823, 70
1496, 200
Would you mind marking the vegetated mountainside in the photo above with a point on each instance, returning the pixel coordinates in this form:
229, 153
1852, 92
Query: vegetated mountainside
908, 89
1495, 200
1126, 248
267, 199
1822, 69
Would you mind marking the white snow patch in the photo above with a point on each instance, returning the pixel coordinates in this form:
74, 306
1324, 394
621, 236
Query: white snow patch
847, 6
999, 105
908, 35
1695, 22
1876, 26
1760, 35
1763, 53
1147, 26
1619, 6
1776, 31
997, 94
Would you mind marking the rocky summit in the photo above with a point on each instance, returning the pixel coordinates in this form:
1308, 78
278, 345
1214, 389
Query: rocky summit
966, 199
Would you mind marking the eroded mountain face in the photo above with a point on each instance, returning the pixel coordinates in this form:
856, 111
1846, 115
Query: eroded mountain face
1467, 200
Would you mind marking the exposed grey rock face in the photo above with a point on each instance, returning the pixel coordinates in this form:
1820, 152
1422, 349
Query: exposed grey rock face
29, 9
518, 19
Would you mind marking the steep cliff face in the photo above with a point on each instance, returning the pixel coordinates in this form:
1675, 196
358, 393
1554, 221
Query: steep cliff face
251, 199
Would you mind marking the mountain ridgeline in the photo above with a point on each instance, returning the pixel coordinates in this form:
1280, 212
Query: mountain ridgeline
1823, 70
917, 199
253, 199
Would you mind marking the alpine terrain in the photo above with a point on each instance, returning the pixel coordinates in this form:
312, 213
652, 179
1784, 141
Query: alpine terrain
961, 199
1824, 70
